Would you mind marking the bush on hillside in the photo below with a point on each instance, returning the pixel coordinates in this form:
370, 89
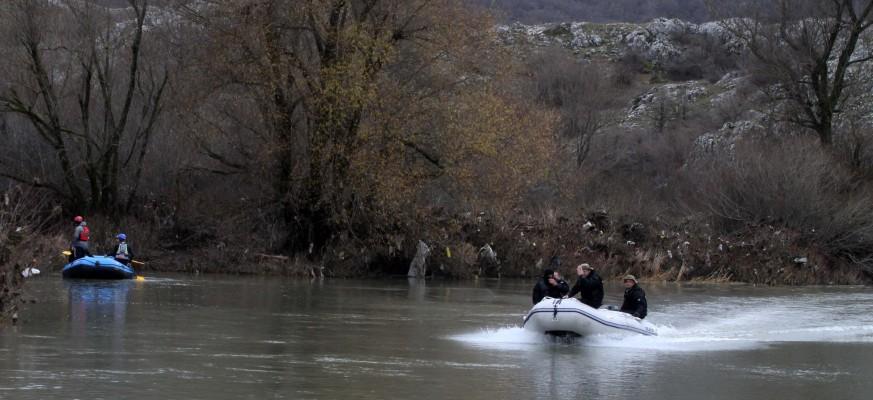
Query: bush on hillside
21, 245
792, 183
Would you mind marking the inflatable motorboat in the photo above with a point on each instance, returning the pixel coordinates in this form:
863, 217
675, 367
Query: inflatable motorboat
97, 267
570, 316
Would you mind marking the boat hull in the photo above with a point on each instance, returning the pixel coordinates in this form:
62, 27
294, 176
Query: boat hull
563, 316
97, 267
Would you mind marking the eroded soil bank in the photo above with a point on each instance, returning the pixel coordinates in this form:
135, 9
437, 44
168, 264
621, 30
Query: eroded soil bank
471, 246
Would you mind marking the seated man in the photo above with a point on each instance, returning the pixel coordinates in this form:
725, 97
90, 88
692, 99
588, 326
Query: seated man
634, 298
551, 285
589, 286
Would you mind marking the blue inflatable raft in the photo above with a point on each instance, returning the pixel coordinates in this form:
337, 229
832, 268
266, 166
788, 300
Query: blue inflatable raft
97, 267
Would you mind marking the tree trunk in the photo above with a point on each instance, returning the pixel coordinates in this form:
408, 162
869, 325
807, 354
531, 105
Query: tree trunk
825, 131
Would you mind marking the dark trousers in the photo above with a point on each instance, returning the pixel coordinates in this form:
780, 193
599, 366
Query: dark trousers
79, 252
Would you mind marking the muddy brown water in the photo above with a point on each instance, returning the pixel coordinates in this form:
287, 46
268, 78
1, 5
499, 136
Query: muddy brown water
268, 338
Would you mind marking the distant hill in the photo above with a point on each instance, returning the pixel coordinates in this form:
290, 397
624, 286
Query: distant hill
539, 11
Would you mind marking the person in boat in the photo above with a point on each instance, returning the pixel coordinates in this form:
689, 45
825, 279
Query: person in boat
550, 285
634, 298
589, 286
81, 236
123, 252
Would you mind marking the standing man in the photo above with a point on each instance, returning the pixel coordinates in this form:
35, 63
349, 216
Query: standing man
634, 298
551, 285
589, 286
81, 235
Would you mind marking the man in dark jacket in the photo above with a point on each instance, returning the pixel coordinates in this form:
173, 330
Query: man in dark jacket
589, 286
634, 298
550, 285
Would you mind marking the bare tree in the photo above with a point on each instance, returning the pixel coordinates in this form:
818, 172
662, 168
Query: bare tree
309, 69
661, 112
87, 94
797, 186
582, 94
808, 49
324, 84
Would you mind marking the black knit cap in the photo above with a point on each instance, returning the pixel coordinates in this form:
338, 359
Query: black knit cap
547, 273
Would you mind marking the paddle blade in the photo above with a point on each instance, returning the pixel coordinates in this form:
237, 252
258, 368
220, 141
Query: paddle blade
67, 253
140, 278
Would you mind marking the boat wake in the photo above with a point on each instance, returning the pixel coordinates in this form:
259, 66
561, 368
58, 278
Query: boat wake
722, 324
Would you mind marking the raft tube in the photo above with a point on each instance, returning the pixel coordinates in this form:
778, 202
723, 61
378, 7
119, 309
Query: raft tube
97, 267
570, 316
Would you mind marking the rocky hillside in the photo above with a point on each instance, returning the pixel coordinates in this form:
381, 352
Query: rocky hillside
695, 124
660, 46
658, 41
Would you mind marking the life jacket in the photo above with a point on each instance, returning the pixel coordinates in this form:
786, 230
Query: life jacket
122, 251
85, 234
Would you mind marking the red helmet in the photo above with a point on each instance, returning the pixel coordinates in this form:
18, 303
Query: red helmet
78, 219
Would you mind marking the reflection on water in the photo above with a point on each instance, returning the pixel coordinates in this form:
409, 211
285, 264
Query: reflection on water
231, 337
97, 319
97, 305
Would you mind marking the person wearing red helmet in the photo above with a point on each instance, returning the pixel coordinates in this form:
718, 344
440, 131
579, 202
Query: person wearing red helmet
81, 236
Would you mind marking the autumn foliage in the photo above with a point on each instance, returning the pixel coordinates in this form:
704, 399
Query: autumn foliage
329, 137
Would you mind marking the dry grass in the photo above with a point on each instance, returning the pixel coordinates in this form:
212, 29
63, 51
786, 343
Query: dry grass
22, 245
794, 184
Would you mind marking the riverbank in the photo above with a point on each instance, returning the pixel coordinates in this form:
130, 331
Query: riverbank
17, 255
478, 245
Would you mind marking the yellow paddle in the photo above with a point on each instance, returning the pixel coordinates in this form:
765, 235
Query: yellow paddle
138, 277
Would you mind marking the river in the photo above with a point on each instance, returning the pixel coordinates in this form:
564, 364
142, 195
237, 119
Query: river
223, 337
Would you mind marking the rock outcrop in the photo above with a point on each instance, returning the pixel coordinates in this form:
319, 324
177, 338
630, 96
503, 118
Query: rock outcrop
658, 41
